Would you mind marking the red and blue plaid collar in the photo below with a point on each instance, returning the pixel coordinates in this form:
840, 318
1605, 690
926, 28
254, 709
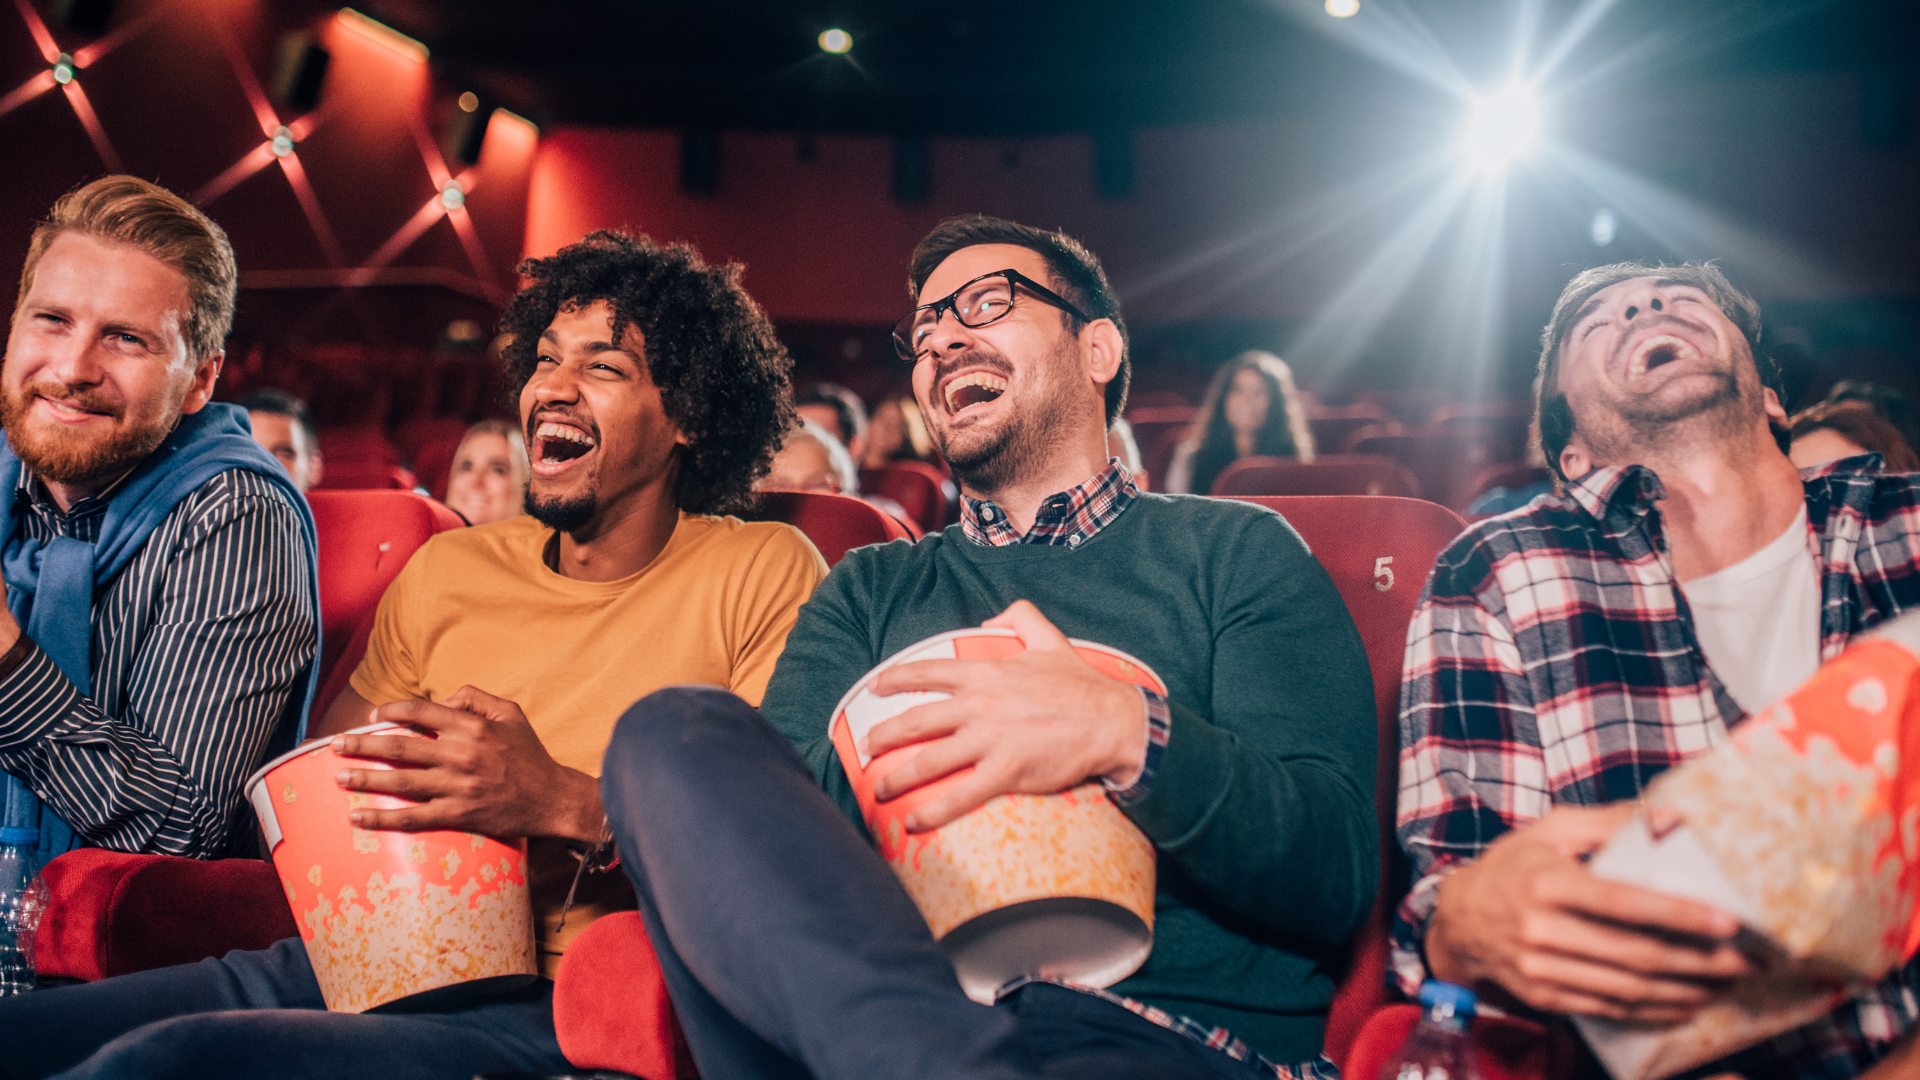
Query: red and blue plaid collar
1067, 519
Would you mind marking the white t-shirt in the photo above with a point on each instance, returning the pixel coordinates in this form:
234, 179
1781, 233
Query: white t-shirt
1759, 619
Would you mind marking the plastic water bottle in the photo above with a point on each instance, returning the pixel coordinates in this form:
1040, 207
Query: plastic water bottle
23, 897
1439, 1048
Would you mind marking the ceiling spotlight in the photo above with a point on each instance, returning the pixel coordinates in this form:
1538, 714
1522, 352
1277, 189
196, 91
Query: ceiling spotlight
835, 41
469, 102
1603, 228
453, 196
63, 70
1343, 9
1501, 128
282, 142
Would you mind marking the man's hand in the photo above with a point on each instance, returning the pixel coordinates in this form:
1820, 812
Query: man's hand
485, 772
1036, 723
1529, 917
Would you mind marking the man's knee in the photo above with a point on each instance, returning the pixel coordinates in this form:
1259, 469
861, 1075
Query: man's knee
205, 1044
671, 722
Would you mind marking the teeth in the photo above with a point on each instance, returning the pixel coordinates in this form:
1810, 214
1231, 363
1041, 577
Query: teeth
551, 430
1637, 363
975, 378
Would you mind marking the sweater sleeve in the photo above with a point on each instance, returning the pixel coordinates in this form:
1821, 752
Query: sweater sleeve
827, 651
1266, 803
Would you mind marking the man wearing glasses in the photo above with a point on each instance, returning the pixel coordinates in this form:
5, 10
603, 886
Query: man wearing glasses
787, 944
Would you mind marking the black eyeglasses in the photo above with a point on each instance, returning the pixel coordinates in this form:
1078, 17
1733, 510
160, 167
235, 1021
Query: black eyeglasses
986, 299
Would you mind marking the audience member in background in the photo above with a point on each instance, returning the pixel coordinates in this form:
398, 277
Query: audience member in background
652, 390
1833, 430
1564, 655
812, 460
162, 608
897, 432
1250, 408
1888, 404
488, 480
839, 410
789, 947
282, 424
1120, 445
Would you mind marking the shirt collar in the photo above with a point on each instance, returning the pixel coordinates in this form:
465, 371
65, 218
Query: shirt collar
1066, 519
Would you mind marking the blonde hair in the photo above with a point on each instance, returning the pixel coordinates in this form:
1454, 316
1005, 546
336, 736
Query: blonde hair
516, 443
129, 210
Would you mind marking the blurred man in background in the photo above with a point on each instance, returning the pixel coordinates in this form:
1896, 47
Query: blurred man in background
282, 424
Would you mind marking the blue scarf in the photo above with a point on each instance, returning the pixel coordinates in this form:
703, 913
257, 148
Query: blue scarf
51, 584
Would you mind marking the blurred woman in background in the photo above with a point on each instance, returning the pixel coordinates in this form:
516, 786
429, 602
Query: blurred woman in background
1251, 408
490, 471
1840, 429
896, 432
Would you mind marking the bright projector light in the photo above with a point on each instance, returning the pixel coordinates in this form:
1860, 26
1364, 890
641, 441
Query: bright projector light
1502, 128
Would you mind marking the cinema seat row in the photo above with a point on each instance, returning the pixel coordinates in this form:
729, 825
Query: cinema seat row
125, 913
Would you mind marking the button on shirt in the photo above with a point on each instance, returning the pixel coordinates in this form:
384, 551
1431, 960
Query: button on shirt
198, 648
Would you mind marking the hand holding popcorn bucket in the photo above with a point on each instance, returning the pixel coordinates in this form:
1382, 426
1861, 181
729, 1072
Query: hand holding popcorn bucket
392, 921
1806, 826
1051, 886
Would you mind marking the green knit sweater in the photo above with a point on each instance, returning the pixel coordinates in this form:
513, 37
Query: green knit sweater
1262, 806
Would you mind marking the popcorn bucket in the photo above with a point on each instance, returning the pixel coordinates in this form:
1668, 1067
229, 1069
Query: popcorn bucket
1051, 886
392, 921
1806, 826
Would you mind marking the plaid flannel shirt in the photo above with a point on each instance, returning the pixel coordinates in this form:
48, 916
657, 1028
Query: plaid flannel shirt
1069, 519
1552, 660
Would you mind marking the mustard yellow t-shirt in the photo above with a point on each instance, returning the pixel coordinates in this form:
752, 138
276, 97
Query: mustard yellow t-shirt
480, 607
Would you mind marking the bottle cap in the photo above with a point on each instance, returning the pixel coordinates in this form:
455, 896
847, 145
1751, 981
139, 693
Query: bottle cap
11, 835
1434, 992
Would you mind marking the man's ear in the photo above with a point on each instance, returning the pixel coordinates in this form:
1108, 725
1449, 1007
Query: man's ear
200, 390
1101, 351
1770, 401
1575, 462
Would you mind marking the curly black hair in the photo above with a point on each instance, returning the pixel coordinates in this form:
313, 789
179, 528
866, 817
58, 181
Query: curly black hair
722, 373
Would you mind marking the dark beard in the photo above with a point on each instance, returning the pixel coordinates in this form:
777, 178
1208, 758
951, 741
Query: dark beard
1017, 448
566, 515
70, 461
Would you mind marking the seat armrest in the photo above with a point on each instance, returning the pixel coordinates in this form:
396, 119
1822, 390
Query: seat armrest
610, 1005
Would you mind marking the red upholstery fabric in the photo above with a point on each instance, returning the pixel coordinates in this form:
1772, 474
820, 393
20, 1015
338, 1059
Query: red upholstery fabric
1378, 552
1329, 474
365, 538
835, 523
610, 1006
112, 913
364, 476
918, 487
415, 434
1507, 1049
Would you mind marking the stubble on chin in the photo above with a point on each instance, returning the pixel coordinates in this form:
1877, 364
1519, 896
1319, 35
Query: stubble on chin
1640, 428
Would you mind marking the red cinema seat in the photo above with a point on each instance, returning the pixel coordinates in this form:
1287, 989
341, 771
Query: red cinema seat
1378, 552
921, 489
1329, 474
433, 465
122, 913
365, 538
416, 434
835, 523
362, 443
610, 1004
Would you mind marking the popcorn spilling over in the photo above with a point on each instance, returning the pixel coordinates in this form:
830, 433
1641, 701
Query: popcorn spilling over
1802, 826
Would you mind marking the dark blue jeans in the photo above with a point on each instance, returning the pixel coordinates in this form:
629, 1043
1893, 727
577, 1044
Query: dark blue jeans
791, 951
259, 1014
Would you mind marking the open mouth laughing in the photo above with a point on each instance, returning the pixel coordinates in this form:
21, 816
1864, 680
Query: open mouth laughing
1655, 352
558, 445
973, 388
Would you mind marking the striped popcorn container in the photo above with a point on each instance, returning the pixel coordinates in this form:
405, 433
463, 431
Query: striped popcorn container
1048, 886
392, 921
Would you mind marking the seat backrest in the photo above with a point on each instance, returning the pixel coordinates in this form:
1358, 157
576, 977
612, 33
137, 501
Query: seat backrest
835, 523
919, 488
1330, 474
359, 443
1378, 552
365, 538
418, 432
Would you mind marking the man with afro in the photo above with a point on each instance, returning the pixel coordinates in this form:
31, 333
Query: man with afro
653, 393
